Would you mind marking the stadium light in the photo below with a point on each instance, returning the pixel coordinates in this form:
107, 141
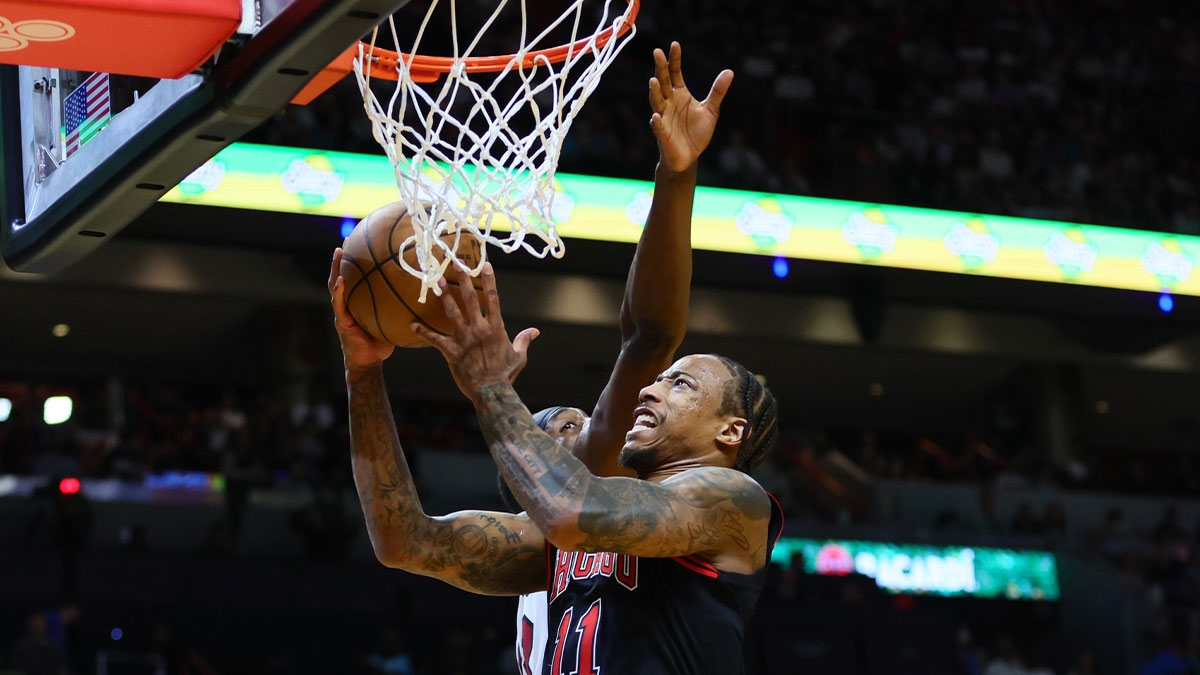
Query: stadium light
780, 267
69, 486
5, 409
57, 409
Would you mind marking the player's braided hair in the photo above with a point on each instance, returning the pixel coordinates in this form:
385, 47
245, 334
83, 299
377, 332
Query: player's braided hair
756, 403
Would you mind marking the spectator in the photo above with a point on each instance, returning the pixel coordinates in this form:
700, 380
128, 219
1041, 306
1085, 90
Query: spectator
1171, 659
391, 658
35, 652
326, 523
178, 658
1054, 520
1168, 530
1025, 521
1086, 665
1005, 660
741, 165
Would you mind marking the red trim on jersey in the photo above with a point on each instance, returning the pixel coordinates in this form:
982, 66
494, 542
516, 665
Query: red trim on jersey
525, 647
782, 520
550, 555
702, 566
697, 565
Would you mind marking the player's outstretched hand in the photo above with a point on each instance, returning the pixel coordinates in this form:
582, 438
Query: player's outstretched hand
478, 349
359, 349
682, 125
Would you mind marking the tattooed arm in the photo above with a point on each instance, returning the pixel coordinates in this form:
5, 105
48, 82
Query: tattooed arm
487, 553
718, 513
479, 551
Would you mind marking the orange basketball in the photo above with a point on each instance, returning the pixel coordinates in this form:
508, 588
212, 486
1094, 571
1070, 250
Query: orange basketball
380, 294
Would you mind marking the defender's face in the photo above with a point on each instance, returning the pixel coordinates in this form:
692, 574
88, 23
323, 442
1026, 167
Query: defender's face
680, 413
565, 426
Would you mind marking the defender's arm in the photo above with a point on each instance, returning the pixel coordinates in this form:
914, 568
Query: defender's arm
654, 310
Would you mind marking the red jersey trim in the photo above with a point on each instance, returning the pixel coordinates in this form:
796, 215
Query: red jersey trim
782, 519
550, 555
701, 567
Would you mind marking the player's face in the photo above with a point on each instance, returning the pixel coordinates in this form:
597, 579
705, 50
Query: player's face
679, 414
565, 426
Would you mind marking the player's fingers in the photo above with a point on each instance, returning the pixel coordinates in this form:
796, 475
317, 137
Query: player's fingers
342, 319
658, 101
524, 339
450, 305
466, 291
661, 71
521, 347
720, 87
675, 66
337, 296
657, 125
488, 277
438, 341
335, 269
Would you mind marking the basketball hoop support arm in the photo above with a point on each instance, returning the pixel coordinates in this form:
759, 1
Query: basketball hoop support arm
239, 95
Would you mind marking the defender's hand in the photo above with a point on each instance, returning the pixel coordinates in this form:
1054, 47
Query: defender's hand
478, 349
682, 125
360, 351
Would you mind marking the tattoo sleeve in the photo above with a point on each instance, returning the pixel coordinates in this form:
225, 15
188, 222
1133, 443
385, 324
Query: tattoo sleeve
707, 510
487, 553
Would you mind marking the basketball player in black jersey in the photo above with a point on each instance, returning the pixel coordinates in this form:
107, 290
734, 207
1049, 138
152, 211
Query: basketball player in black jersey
656, 574
654, 309
653, 574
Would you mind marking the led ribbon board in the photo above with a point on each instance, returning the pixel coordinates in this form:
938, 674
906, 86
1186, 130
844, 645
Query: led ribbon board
930, 570
298, 180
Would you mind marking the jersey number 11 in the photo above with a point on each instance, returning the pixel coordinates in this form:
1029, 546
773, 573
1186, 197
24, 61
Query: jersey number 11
585, 647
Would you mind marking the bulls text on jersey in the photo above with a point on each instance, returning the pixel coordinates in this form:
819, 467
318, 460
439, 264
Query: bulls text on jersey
570, 565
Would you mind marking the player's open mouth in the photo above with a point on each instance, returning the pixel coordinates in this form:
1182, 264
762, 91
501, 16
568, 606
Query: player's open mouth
645, 419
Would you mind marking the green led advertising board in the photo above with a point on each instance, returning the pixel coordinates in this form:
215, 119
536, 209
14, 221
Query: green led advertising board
973, 571
303, 181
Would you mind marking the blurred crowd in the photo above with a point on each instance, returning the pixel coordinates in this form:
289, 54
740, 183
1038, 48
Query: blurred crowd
125, 429
129, 430
1076, 111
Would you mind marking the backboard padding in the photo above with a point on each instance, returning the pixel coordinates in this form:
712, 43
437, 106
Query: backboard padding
233, 99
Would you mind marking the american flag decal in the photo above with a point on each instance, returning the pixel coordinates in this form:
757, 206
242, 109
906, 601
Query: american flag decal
86, 111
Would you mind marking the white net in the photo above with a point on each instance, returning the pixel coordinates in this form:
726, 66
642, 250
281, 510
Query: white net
475, 153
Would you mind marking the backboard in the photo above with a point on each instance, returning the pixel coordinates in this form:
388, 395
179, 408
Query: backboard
83, 153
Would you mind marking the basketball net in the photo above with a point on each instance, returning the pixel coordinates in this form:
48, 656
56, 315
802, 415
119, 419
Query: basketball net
460, 165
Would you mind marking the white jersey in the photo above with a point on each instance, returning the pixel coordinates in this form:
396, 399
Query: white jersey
531, 633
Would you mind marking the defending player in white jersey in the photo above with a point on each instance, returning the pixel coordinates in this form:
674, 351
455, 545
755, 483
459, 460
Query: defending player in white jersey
654, 311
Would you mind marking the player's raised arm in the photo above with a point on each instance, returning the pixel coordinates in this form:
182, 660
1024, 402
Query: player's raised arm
483, 552
654, 311
695, 423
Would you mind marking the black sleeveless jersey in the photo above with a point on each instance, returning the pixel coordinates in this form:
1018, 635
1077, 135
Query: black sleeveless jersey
613, 614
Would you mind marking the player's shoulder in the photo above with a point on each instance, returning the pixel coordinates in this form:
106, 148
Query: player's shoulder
710, 485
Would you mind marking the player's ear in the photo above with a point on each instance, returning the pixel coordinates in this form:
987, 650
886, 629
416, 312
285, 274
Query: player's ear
732, 431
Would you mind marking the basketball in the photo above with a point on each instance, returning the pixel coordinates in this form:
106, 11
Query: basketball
380, 294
